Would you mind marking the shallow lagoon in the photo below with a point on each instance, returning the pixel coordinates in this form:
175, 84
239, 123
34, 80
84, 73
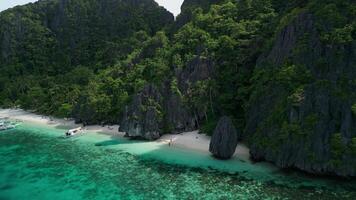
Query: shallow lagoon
36, 162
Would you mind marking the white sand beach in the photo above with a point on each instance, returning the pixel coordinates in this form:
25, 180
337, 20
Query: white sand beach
200, 142
188, 140
25, 116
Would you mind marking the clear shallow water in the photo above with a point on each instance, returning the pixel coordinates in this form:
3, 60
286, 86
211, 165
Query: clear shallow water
37, 163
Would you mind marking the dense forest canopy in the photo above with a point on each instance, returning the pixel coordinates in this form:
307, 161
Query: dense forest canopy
283, 70
58, 46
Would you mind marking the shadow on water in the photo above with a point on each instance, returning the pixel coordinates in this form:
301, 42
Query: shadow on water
264, 173
174, 162
110, 163
63, 127
6, 187
116, 140
112, 142
8, 131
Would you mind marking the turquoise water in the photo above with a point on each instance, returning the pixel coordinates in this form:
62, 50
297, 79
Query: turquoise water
37, 163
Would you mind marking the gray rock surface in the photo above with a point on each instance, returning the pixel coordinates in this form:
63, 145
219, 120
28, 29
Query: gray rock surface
196, 70
178, 114
224, 140
142, 118
169, 114
323, 110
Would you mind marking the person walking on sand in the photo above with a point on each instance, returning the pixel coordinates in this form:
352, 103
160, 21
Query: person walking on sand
170, 142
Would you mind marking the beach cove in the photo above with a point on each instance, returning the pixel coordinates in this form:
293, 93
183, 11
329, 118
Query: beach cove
38, 162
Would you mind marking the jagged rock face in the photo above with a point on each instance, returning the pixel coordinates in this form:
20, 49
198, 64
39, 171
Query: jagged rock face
83, 113
224, 140
289, 37
178, 115
310, 127
142, 117
177, 118
197, 69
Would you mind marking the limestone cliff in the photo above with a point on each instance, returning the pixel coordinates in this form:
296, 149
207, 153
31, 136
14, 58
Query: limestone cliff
175, 116
302, 116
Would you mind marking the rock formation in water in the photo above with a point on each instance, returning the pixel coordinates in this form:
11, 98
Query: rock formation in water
224, 140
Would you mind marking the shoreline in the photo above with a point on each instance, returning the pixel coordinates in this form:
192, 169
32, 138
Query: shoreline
188, 140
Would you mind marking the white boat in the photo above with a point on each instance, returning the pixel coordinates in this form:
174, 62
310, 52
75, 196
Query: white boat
73, 132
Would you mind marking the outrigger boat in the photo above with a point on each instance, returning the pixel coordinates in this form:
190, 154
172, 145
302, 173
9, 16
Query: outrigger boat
74, 132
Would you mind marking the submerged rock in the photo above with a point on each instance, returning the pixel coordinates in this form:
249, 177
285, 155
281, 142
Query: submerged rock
224, 140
